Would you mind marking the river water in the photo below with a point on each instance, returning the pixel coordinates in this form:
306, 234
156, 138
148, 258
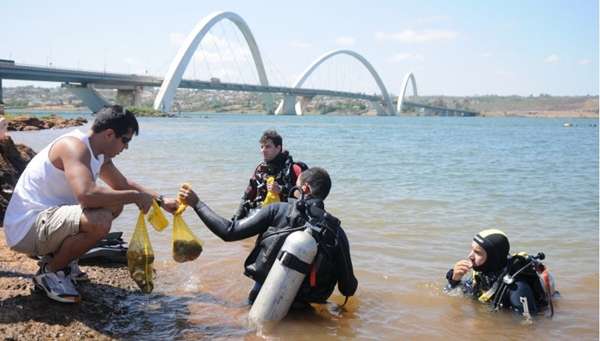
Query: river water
411, 192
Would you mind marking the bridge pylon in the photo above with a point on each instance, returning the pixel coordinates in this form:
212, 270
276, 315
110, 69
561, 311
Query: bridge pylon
408, 78
88, 95
287, 106
130, 96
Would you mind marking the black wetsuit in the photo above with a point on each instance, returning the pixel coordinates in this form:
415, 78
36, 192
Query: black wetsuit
481, 282
283, 169
274, 218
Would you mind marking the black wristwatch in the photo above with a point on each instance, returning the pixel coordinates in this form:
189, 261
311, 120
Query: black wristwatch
160, 200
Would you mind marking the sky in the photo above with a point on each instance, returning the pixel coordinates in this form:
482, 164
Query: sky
454, 48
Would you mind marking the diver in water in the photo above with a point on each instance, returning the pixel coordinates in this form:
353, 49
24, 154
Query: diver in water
278, 164
519, 282
274, 223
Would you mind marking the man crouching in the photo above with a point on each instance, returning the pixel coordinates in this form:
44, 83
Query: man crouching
58, 211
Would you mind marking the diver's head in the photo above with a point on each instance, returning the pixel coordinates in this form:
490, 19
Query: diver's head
271, 144
489, 250
314, 182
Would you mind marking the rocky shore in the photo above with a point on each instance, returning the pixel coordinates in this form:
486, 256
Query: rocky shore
29, 123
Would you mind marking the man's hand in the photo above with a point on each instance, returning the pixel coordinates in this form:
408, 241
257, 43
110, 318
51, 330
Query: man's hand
170, 205
274, 187
188, 196
460, 269
144, 201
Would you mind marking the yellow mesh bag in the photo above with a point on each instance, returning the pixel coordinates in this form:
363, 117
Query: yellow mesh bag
271, 196
157, 218
186, 246
140, 257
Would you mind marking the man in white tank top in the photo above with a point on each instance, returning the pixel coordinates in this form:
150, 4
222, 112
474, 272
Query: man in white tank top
57, 210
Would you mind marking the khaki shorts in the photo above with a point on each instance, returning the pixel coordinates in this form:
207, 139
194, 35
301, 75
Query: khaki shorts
50, 229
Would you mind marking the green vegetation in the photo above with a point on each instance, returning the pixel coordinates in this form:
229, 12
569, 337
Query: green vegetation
17, 103
147, 112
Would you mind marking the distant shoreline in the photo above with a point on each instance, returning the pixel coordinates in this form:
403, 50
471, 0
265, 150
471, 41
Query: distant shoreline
529, 113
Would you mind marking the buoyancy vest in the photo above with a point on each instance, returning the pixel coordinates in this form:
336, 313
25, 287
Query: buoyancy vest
321, 279
283, 169
520, 266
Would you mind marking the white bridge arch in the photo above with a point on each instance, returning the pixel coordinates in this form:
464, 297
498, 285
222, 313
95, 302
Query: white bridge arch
388, 105
409, 77
166, 94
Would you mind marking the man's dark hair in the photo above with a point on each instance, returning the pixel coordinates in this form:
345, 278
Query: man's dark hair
117, 118
319, 181
271, 135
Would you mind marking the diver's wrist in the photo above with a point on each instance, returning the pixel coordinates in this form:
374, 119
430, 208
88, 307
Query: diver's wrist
160, 200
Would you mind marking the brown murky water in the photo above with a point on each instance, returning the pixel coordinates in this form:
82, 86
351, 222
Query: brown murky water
411, 193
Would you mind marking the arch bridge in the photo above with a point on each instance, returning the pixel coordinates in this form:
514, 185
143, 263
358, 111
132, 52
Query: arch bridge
84, 83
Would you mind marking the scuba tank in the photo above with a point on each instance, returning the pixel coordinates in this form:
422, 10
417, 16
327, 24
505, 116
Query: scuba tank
285, 277
534, 272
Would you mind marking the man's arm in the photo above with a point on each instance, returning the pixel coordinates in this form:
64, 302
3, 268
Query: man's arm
231, 230
73, 157
116, 180
347, 283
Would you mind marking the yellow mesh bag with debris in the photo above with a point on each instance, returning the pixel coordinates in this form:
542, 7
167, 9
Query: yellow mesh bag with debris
140, 257
186, 246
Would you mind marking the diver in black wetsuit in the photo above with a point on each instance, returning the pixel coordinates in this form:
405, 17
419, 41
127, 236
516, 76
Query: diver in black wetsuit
277, 163
490, 262
273, 223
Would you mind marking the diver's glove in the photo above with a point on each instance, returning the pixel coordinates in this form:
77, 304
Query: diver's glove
449, 276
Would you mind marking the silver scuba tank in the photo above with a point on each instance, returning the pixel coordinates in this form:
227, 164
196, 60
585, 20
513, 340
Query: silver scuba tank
285, 277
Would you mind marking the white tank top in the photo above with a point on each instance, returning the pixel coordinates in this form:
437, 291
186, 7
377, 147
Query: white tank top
40, 187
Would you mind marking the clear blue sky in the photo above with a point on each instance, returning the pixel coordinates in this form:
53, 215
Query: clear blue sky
452, 47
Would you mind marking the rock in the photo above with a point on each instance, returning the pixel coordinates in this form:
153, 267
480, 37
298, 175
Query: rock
13, 160
29, 123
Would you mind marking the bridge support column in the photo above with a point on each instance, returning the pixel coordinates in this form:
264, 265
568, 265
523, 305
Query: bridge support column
301, 104
268, 102
88, 95
379, 109
129, 96
287, 106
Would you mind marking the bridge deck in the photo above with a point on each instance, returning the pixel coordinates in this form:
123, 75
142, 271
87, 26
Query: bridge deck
39, 73
10, 70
